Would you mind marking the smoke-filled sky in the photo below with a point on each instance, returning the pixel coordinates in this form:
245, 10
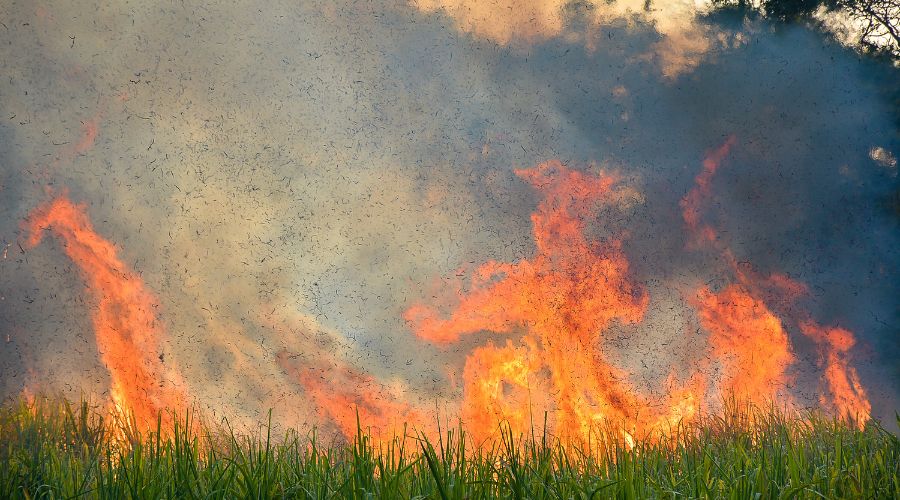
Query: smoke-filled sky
288, 179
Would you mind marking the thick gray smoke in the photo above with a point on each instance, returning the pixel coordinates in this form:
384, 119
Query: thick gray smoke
277, 168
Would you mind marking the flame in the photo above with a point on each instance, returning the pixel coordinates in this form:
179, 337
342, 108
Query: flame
564, 297
848, 395
127, 330
554, 306
343, 397
749, 341
747, 337
692, 203
502, 385
352, 399
553, 292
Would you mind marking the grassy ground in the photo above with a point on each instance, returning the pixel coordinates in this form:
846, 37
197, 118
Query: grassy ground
54, 450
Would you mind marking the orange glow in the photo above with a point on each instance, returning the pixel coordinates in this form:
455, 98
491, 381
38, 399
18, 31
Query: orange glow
557, 286
554, 309
747, 337
749, 342
848, 397
127, 330
502, 384
562, 299
692, 204
89, 130
682, 45
343, 393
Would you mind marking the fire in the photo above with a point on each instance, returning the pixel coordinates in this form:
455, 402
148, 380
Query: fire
128, 333
351, 399
692, 204
555, 290
554, 307
504, 382
848, 395
749, 341
747, 337
562, 299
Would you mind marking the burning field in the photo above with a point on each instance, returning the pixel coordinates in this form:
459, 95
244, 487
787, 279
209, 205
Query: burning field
580, 223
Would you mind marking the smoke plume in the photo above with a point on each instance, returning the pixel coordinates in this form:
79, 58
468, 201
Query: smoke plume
604, 209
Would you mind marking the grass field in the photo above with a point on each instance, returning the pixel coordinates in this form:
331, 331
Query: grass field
52, 449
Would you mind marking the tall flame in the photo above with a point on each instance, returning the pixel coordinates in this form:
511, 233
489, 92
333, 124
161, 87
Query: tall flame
848, 397
562, 298
555, 306
749, 342
692, 203
747, 337
127, 330
500, 385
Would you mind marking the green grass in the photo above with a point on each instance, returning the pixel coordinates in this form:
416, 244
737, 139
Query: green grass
54, 450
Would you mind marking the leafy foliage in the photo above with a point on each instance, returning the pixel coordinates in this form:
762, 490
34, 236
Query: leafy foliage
877, 21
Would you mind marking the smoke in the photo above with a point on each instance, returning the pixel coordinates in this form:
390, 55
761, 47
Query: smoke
682, 42
288, 179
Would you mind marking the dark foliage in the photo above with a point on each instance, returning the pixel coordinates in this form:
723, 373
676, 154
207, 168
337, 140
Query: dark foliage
878, 20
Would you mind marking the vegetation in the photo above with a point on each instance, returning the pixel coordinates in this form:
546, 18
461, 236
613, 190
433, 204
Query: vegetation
877, 21
52, 450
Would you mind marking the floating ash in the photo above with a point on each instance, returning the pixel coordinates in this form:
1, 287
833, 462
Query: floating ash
566, 296
125, 321
393, 214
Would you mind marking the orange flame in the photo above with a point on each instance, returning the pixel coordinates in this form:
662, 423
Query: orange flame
848, 395
564, 297
747, 337
572, 289
502, 385
749, 341
692, 204
349, 397
560, 301
127, 330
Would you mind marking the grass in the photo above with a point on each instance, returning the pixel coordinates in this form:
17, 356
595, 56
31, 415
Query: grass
52, 449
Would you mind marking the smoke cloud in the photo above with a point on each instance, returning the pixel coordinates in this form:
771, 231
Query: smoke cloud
288, 179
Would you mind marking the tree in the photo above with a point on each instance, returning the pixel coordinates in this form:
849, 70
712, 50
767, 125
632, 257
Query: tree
875, 23
880, 22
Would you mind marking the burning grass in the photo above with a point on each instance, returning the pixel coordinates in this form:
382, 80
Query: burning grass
562, 302
601, 435
51, 449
